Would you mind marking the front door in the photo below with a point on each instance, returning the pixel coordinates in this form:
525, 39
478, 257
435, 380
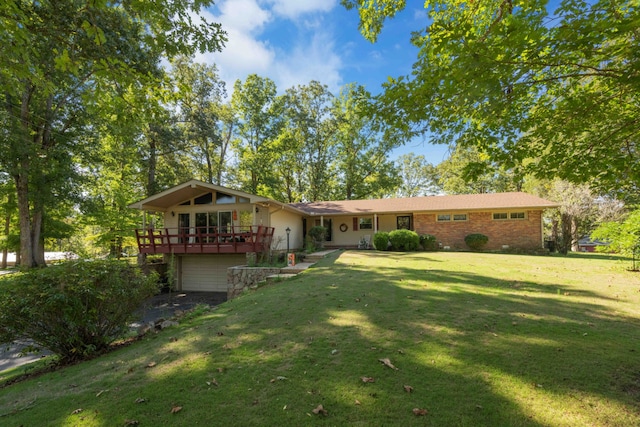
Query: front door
225, 221
183, 225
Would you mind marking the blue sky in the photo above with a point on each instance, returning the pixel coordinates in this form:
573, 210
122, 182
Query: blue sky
296, 41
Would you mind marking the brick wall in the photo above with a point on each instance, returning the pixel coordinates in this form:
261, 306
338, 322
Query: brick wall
516, 233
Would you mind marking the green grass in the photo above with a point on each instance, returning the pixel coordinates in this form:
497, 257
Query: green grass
482, 339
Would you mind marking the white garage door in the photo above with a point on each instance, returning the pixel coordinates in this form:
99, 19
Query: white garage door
207, 272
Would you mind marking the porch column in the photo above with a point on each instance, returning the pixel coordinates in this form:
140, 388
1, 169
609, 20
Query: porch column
375, 223
322, 220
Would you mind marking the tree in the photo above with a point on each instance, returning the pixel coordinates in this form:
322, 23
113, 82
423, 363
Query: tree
552, 91
199, 95
57, 58
258, 111
312, 127
467, 171
622, 236
362, 152
419, 177
579, 212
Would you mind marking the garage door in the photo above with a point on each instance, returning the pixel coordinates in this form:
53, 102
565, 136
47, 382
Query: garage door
207, 272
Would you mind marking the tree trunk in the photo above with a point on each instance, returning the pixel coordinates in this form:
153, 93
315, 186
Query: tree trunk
7, 229
26, 243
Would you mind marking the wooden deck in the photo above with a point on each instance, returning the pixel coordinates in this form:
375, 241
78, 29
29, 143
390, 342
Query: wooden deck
204, 240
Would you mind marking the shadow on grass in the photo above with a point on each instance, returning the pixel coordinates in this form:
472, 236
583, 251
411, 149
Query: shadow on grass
476, 350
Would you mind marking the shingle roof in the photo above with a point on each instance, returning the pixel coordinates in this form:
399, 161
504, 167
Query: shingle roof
465, 202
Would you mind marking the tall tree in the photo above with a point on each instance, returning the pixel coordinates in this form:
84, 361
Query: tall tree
468, 171
419, 177
362, 152
256, 105
199, 95
312, 125
56, 58
554, 91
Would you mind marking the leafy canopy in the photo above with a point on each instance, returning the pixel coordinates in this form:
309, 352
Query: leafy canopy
555, 92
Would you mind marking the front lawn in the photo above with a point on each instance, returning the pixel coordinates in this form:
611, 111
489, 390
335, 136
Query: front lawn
377, 339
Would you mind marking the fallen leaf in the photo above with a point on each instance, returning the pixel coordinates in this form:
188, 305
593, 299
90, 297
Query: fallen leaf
220, 334
151, 364
387, 363
131, 422
272, 380
212, 382
419, 412
141, 400
408, 389
357, 402
176, 409
221, 370
100, 393
368, 379
77, 411
320, 410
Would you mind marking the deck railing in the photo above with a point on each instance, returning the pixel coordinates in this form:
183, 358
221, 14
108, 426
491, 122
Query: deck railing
205, 240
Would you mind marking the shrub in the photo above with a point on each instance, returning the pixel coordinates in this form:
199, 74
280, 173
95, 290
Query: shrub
75, 309
476, 241
404, 240
428, 242
381, 241
318, 233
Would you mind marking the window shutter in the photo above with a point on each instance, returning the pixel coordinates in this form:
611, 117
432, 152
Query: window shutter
355, 223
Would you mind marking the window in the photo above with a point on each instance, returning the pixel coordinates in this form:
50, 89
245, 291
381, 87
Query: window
444, 217
365, 223
403, 222
508, 215
243, 199
460, 217
224, 199
205, 199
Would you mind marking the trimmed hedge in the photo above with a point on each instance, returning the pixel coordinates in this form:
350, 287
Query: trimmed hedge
381, 241
476, 241
428, 242
404, 240
75, 309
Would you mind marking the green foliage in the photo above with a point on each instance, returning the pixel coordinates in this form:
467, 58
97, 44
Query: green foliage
318, 233
428, 242
622, 236
381, 241
419, 177
539, 97
74, 309
476, 241
404, 240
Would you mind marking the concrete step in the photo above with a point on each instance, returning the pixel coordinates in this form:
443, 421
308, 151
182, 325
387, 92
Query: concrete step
279, 277
295, 269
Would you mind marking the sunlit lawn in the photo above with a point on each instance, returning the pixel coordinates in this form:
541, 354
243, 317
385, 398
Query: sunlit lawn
477, 339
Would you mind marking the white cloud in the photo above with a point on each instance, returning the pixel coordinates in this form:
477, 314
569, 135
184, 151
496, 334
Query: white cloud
294, 8
310, 55
315, 60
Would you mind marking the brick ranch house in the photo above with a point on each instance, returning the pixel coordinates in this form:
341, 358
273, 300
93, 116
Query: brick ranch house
209, 228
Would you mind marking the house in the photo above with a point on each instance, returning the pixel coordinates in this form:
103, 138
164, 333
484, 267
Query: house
209, 228
587, 245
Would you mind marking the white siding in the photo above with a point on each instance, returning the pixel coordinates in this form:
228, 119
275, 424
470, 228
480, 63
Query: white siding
207, 273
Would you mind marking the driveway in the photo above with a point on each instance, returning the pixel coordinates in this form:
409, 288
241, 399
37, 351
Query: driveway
161, 306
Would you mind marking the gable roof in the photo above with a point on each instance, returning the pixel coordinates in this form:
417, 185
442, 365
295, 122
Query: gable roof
465, 202
162, 201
